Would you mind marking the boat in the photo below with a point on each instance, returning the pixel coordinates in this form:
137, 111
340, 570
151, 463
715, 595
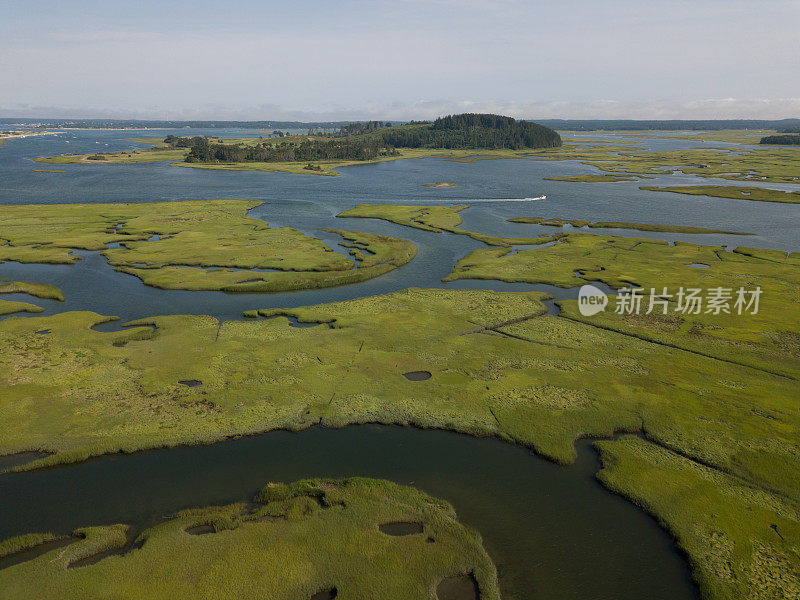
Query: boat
537, 198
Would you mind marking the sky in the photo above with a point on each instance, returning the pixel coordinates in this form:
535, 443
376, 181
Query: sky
399, 59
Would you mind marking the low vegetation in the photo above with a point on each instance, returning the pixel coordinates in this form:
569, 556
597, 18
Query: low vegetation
556, 222
8, 307
766, 341
25, 542
38, 290
753, 163
739, 541
436, 219
731, 136
726, 191
591, 178
156, 154
192, 245
498, 367
777, 165
295, 541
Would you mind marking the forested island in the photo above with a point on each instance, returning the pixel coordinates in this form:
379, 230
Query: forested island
781, 140
203, 150
376, 139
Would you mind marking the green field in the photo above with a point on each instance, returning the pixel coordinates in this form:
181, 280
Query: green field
499, 367
294, 541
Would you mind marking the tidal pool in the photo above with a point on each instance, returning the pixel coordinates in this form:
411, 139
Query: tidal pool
553, 531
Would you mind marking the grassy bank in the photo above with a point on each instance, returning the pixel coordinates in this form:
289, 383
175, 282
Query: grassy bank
556, 222
726, 191
297, 540
436, 219
8, 307
591, 178
38, 290
731, 136
741, 542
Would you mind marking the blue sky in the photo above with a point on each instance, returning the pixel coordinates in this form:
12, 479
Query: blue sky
400, 59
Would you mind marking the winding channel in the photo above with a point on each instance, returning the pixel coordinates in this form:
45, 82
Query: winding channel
553, 531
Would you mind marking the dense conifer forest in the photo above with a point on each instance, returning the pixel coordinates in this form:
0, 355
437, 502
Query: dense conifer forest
473, 131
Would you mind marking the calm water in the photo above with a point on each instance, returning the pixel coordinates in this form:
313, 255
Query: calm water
553, 531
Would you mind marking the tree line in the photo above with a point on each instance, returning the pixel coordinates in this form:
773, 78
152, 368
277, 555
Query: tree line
473, 131
362, 128
375, 139
781, 140
204, 151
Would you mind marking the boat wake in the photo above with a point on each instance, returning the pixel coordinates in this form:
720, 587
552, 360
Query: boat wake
505, 199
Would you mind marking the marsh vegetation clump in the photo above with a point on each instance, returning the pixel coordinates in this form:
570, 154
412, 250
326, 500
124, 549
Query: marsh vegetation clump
557, 222
756, 194
333, 549
192, 245
436, 219
9, 307
37, 290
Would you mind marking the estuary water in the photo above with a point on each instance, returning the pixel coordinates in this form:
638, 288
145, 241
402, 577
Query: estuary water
553, 531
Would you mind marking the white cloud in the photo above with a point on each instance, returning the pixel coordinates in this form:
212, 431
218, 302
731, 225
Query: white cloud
397, 59
715, 108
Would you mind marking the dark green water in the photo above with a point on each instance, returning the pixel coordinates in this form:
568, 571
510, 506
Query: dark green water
553, 531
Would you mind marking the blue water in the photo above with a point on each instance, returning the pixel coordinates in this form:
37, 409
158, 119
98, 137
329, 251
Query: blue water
492, 189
